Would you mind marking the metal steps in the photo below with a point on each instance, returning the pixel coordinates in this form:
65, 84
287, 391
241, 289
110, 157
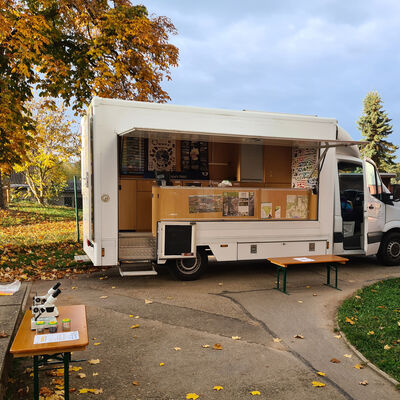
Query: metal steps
137, 251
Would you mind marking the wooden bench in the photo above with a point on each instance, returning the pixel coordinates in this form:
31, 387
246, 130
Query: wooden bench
332, 263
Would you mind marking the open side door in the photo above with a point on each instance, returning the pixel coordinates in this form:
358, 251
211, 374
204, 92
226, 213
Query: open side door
374, 208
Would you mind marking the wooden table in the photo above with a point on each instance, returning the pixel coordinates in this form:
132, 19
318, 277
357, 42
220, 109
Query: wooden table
23, 345
330, 260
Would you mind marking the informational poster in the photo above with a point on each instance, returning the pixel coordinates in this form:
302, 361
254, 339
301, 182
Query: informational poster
161, 155
132, 155
238, 204
266, 210
277, 212
296, 206
303, 163
205, 204
194, 158
56, 337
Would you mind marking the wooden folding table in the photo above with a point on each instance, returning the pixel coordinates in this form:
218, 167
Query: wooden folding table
23, 344
331, 261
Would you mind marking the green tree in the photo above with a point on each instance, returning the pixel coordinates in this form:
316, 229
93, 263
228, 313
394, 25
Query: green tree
55, 143
74, 50
375, 127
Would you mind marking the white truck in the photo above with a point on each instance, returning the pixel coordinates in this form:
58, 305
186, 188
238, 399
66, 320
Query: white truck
174, 184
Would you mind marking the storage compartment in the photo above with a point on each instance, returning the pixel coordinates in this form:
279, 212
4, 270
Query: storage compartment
176, 240
255, 251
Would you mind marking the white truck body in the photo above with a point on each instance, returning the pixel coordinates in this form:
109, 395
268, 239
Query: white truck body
231, 240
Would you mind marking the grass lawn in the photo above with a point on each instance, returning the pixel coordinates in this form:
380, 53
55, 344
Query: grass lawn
371, 322
38, 242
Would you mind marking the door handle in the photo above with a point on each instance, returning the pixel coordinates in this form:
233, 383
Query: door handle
371, 207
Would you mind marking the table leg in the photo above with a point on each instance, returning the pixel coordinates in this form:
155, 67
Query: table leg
328, 274
277, 277
36, 377
67, 359
284, 280
335, 268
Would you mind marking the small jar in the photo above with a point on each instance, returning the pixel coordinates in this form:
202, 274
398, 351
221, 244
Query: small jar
40, 325
66, 324
53, 326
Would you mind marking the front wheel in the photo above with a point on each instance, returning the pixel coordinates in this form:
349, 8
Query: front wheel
389, 250
189, 269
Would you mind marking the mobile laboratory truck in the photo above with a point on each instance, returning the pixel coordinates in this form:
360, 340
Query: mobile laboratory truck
166, 183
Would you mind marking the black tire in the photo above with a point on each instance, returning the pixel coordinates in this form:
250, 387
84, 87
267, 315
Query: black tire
389, 250
189, 269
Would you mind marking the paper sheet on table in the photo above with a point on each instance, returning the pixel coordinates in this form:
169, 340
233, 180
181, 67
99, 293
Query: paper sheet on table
10, 289
56, 337
303, 259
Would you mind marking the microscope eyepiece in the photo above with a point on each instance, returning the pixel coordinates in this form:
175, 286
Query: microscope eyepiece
56, 293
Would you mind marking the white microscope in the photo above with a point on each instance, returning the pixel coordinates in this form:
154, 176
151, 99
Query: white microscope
43, 308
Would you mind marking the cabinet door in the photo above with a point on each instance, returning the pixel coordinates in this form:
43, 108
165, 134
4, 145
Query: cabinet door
143, 211
127, 205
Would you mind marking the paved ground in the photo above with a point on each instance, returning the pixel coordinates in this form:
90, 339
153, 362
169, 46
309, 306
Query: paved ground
230, 300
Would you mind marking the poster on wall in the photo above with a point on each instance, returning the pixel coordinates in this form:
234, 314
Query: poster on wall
238, 204
161, 155
194, 158
266, 210
132, 155
303, 163
296, 206
205, 204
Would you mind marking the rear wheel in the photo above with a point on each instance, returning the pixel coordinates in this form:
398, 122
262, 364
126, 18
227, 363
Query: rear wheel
389, 250
189, 269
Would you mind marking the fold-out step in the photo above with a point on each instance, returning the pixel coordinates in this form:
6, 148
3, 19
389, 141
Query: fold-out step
137, 268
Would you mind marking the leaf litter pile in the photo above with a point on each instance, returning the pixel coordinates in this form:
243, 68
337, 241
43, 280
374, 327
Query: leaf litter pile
38, 243
371, 322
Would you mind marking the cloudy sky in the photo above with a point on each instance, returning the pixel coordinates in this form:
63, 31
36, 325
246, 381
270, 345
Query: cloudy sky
318, 57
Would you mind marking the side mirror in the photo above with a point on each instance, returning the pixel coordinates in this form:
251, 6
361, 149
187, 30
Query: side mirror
387, 198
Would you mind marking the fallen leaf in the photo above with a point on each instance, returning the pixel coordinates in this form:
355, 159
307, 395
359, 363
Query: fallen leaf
387, 347
206, 346
218, 388
73, 369
95, 373
81, 375
217, 346
321, 373
169, 298
308, 287
381, 307
59, 387
45, 391
373, 290
135, 383
97, 361
137, 316
349, 321
192, 396
135, 326
130, 316
315, 294
74, 287
318, 384
177, 348
300, 301
255, 393
162, 364
364, 383
3, 334
94, 391
398, 323
357, 297
277, 340
338, 336
148, 301
335, 361
113, 287
298, 336
96, 344
103, 297
236, 337
359, 366
220, 284
347, 355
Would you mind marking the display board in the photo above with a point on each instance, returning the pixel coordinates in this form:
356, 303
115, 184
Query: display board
132, 156
194, 159
303, 162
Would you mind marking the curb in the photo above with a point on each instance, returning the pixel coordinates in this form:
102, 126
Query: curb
366, 361
8, 358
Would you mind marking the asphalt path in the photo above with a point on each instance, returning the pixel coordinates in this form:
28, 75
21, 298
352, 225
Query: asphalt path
167, 355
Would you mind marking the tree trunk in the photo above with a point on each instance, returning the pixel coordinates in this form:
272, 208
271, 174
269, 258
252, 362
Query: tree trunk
2, 201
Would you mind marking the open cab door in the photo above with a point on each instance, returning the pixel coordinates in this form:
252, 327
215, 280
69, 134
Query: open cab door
374, 208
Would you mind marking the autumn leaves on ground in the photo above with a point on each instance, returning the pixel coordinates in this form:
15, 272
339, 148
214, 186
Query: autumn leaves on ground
38, 243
